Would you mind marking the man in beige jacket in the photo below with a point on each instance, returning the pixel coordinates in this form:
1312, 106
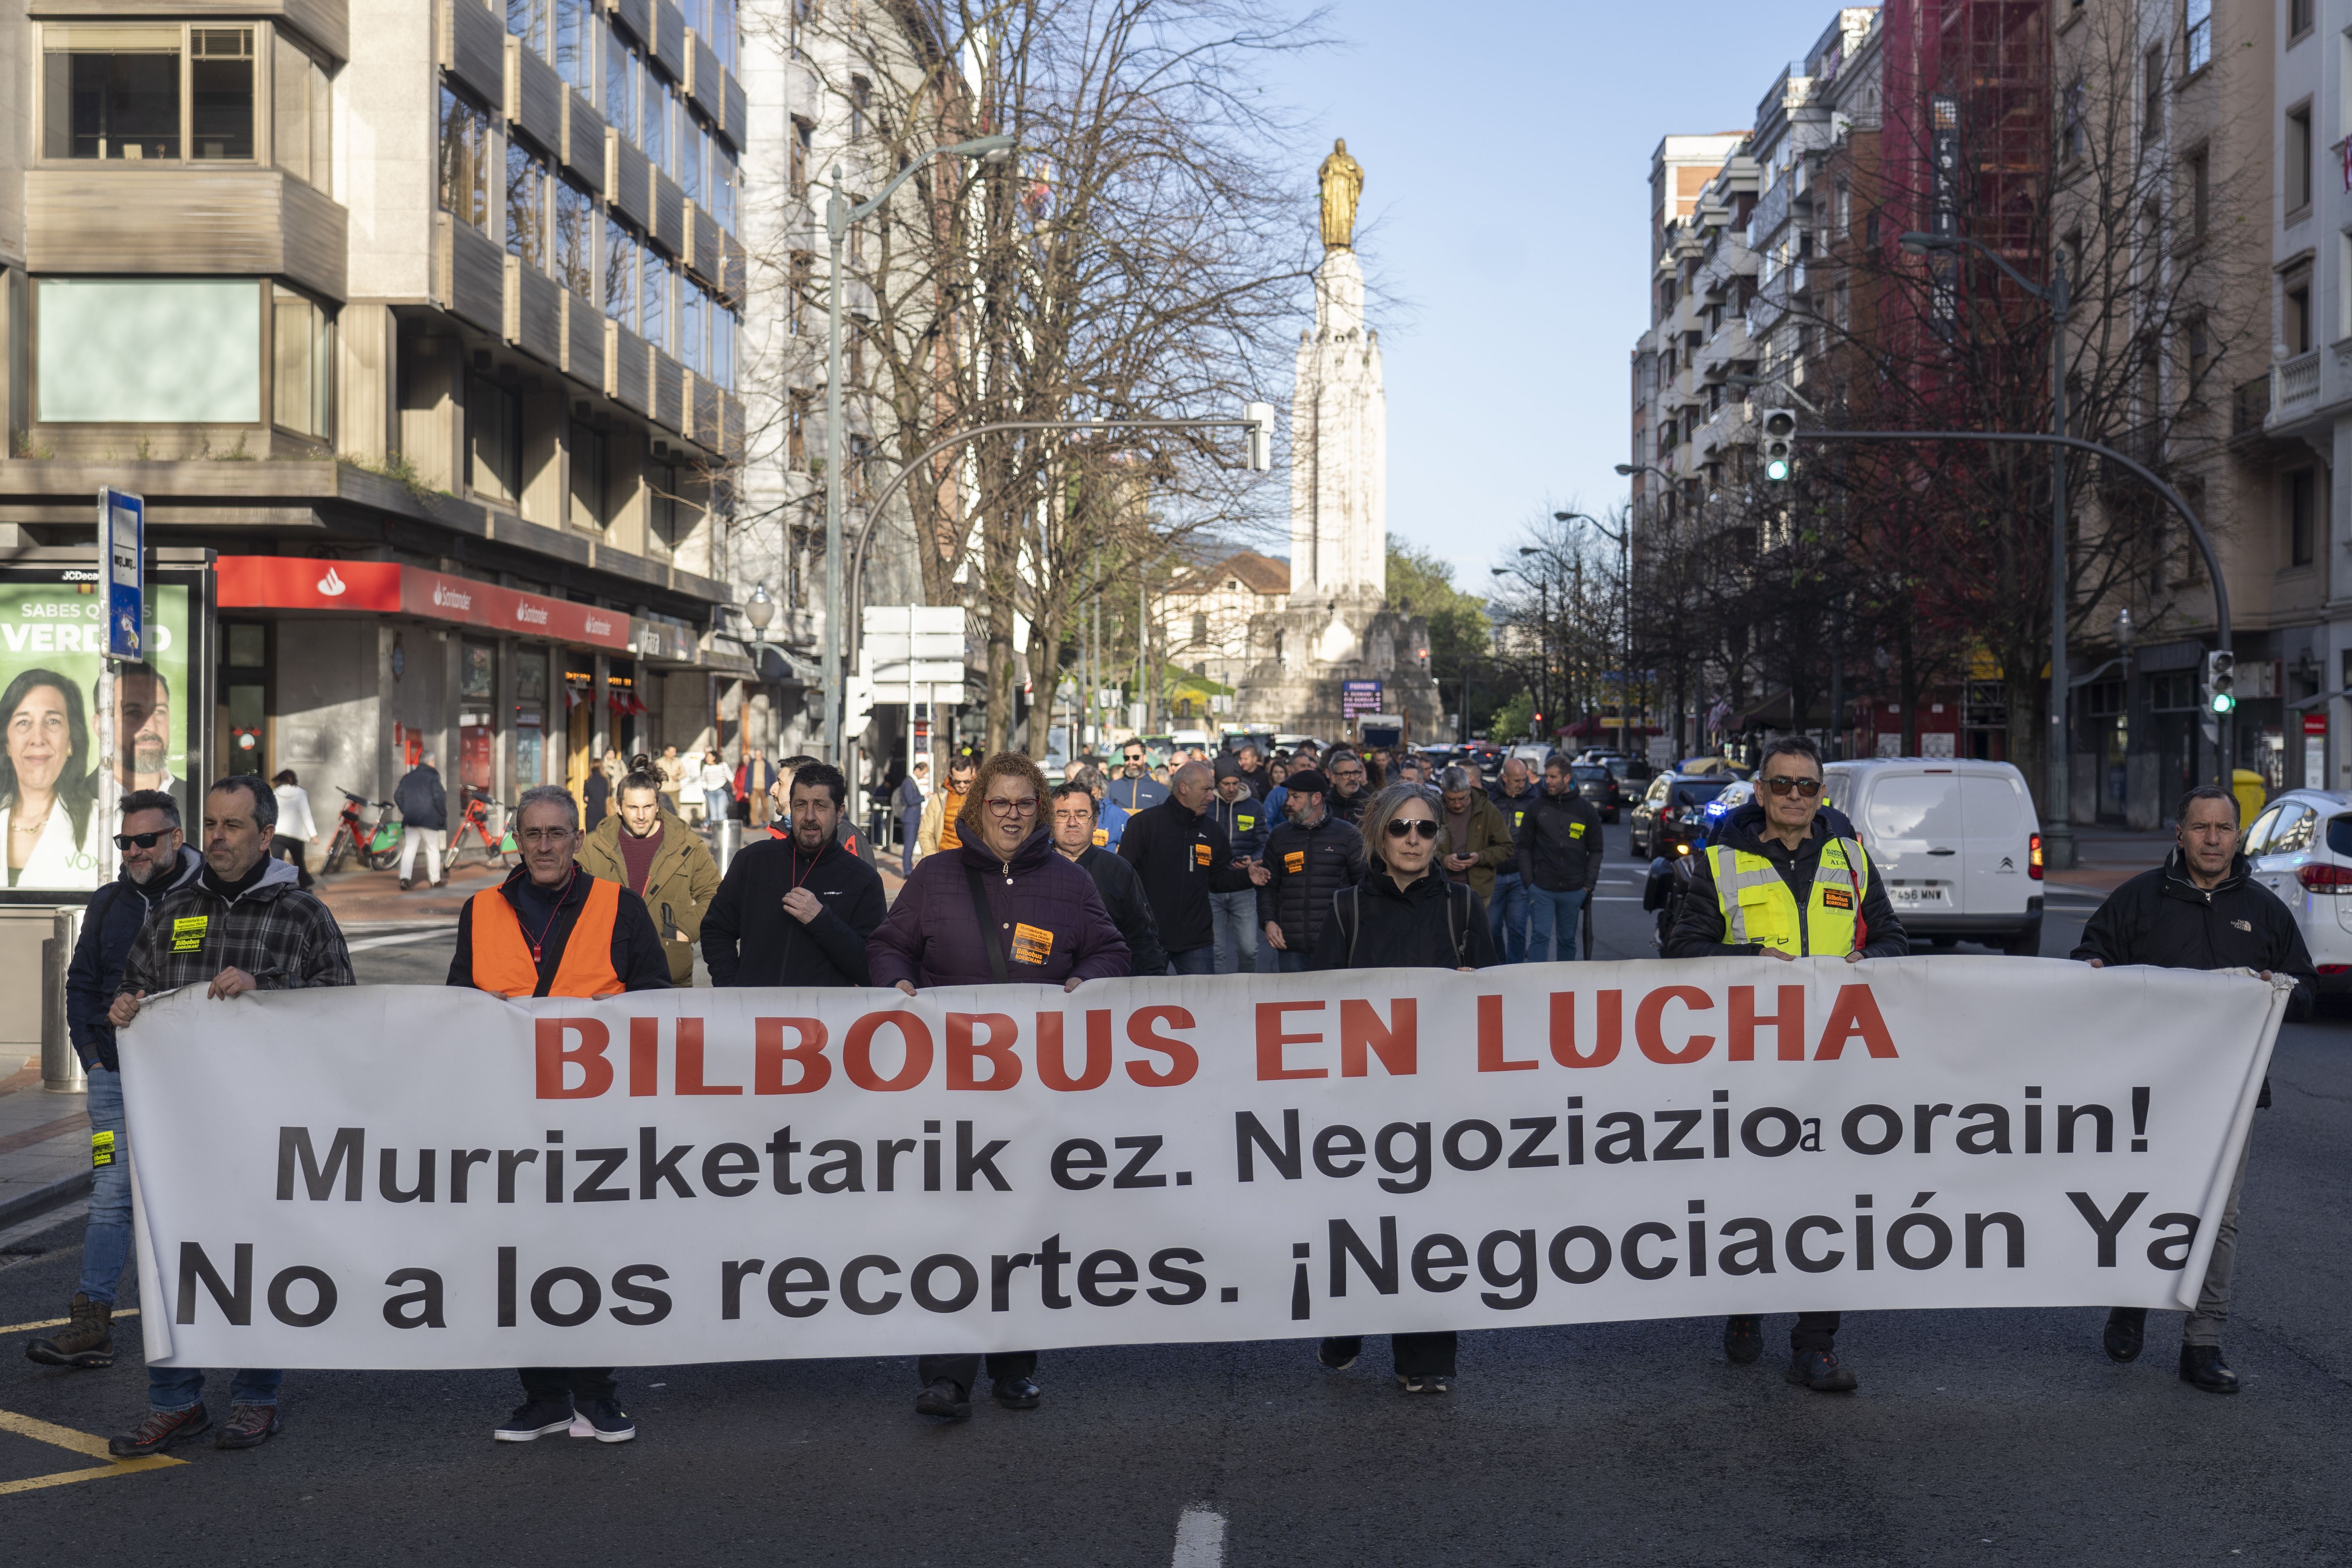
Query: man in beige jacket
651, 850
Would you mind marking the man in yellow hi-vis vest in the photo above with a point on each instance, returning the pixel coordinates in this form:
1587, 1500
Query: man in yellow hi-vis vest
1787, 878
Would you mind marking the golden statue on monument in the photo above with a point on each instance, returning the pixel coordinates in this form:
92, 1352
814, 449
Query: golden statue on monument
1342, 179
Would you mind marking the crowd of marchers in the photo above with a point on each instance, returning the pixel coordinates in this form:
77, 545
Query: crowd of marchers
1317, 862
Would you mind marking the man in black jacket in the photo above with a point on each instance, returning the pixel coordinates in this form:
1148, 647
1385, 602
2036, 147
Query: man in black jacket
1074, 807
155, 861
1350, 791
1307, 859
2201, 909
797, 910
1242, 815
424, 822
1514, 795
1558, 861
1182, 856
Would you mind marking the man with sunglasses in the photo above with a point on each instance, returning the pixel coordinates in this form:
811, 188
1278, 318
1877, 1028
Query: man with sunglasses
1786, 879
155, 861
1135, 789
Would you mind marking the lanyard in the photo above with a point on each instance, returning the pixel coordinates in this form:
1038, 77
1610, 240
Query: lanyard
561, 893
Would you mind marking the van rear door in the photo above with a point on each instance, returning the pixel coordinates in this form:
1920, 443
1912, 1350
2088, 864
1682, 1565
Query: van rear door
1913, 829
1997, 854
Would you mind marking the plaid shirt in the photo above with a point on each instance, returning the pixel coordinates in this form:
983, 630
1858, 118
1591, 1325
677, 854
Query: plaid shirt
273, 930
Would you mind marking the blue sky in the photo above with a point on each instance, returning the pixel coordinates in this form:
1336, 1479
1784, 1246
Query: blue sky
1506, 146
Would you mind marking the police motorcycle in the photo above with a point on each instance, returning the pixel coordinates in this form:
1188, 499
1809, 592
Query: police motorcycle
1671, 874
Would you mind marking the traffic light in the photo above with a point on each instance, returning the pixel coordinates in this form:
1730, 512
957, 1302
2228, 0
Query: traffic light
1776, 444
856, 705
2220, 681
1260, 435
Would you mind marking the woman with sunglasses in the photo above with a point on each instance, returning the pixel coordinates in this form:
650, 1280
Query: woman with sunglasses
1404, 914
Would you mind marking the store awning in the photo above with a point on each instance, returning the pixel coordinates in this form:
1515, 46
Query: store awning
386, 587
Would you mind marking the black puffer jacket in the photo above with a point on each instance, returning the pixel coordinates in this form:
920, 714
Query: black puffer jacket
117, 913
1182, 856
2163, 918
1122, 895
1560, 844
1699, 928
1429, 923
1305, 866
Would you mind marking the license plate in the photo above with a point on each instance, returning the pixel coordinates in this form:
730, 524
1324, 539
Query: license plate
1918, 898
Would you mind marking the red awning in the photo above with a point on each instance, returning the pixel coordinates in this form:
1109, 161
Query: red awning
386, 587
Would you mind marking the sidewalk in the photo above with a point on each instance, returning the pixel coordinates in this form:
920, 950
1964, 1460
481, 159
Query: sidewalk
44, 1145
374, 898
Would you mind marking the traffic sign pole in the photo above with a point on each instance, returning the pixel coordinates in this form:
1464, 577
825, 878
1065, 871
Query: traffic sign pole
122, 601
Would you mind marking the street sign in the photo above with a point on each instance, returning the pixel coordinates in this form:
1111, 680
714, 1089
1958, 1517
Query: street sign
121, 564
1359, 697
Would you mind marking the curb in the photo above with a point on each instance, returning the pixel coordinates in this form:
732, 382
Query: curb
40, 1200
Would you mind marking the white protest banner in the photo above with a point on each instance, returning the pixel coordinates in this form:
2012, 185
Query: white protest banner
413, 1177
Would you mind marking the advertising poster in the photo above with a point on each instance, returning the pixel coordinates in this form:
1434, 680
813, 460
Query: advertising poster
52, 635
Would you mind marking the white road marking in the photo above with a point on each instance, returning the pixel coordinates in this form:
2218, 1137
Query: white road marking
1200, 1537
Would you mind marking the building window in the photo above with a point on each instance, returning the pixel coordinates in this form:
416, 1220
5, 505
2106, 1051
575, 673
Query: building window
661, 504
220, 93
797, 300
620, 274
114, 91
797, 169
589, 478
2151, 101
575, 239
526, 181
300, 113
723, 178
2200, 192
2298, 159
693, 148
724, 326
620, 106
2070, 129
494, 438
2198, 35
1841, 210
2199, 355
654, 118
465, 160
859, 460
576, 33
302, 361
527, 20
149, 350
693, 307
654, 300
2298, 18
861, 93
2294, 317
796, 421
857, 351
2302, 515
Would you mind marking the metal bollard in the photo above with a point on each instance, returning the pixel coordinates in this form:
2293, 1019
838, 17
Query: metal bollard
61, 1071
725, 838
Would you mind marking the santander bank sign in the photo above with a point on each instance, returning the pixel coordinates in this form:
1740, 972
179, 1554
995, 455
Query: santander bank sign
304, 583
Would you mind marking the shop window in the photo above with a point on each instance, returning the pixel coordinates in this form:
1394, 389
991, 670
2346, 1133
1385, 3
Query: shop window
575, 239
494, 435
301, 113
245, 698
465, 160
303, 364
530, 719
111, 91
526, 181
620, 274
591, 477
149, 350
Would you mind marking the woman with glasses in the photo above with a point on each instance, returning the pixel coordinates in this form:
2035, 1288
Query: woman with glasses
999, 909
1404, 914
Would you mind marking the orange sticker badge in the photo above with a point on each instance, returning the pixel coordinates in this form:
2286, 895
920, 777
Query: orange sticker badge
1031, 944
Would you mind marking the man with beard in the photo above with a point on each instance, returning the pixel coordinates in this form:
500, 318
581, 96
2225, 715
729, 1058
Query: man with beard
797, 910
142, 731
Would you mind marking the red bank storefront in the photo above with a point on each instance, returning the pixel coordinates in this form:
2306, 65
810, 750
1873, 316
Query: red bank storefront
350, 671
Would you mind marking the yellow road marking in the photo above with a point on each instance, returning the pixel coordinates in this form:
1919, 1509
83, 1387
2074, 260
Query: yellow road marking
79, 1443
58, 1322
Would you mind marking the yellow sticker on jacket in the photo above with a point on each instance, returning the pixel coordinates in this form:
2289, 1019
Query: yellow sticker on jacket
1030, 944
1837, 898
1295, 861
1576, 830
101, 1148
1200, 855
1102, 837
188, 932
1245, 823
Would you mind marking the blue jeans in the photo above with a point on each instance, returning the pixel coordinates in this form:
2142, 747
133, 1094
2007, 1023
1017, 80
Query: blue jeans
176, 1388
106, 1244
714, 804
1506, 913
1559, 912
1288, 962
1234, 918
1193, 960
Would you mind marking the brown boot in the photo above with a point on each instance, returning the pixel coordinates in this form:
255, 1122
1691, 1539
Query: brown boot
88, 1340
162, 1429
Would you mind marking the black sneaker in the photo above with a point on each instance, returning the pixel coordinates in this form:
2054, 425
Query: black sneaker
1819, 1370
2201, 1367
2127, 1332
162, 1429
1432, 1385
535, 1419
88, 1340
1743, 1340
602, 1419
1017, 1393
1339, 1354
945, 1398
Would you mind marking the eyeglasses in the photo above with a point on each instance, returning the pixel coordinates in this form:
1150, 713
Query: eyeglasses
544, 836
1808, 788
1414, 827
1013, 807
141, 840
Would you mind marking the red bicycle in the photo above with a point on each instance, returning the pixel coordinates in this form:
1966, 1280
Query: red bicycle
375, 844
498, 847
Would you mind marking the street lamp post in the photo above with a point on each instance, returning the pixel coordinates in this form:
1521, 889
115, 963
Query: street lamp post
839, 215
2058, 832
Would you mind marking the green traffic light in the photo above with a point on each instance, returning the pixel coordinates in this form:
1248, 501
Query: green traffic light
2224, 702
1777, 469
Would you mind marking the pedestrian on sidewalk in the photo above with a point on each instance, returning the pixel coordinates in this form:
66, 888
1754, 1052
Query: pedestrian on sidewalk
1404, 914
651, 851
156, 860
1078, 839
1233, 915
1003, 908
595, 799
1785, 879
239, 925
796, 911
755, 775
424, 822
945, 809
914, 791
2201, 910
1183, 857
1308, 859
553, 929
296, 828
717, 790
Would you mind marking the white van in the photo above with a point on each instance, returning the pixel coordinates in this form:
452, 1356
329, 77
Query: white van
1957, 844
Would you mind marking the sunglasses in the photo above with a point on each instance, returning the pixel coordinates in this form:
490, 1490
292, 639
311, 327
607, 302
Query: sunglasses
1808, 788
140, 840
1414, 827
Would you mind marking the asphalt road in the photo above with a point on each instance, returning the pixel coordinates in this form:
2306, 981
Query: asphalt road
1977, 1436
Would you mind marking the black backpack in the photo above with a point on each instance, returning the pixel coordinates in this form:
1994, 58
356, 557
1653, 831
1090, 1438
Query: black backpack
1348, 909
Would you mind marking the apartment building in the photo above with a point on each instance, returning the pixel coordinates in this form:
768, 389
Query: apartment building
424, 318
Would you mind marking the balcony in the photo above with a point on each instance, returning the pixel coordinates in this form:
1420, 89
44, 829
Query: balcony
119, 218
2295, 380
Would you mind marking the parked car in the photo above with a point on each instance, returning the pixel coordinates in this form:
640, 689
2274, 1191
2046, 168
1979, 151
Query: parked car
1956, 843
2300, 848
1600, 786
1667, 813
